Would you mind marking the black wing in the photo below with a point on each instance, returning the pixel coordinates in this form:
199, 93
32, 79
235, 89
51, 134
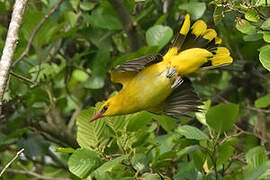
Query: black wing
182, 101
139, 64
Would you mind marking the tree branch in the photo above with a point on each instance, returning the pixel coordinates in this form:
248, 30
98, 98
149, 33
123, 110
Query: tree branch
22, 78
36, 175
10, 162
10, 45
128, 24
35, 31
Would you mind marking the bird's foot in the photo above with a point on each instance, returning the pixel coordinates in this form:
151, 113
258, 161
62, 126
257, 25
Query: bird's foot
178, 81
170, 72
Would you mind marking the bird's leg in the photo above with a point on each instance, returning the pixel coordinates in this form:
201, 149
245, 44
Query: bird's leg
170, 72
178, 81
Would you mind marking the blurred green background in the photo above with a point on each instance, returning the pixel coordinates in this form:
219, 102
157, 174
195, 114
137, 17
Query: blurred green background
55, 88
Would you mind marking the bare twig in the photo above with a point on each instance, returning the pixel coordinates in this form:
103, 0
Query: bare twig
22, 78
36, 175
128, 24
10, 162
57, 160
10, 45
73, 119
249, 133
35, 31
258, 110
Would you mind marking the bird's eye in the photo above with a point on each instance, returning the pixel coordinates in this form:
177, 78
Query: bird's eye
104, 109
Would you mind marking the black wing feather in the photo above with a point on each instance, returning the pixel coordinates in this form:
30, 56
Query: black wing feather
182, 101
140, 63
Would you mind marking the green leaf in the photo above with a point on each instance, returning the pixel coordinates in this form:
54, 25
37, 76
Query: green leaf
79, 75
140, 162
71, 17
45, 33
252, 37
100, 19
266, 36
82, 162
118, 123
74, 4
224, 152
188, 150
166, 122
191, 132
245, 27
87, 6
199, 158
65, 150
46, 71
252, 15
139, 120
149, 176
263, 102
222, 117
257, 173
218, 14
99, 70
159, 35
266, 24
196, 9
166, 143
256, 157
109, 165
201, 116
90, 135
264, 56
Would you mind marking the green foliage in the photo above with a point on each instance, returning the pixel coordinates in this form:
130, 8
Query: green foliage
191, 132
265, 56
263, 102
158, 35
195, 8
222, 117
60, 84
82, 162
90, 135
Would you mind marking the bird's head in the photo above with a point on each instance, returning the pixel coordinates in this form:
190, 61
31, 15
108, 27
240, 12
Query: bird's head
108, 108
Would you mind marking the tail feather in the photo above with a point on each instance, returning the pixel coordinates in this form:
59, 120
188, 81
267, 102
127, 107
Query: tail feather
221, 56
199, 28
199, 36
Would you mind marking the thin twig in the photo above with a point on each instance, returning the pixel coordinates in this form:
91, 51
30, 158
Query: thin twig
73, 119
10, 162
36, 175
10, 45
22, 78
259, 110
128, 24
35, 31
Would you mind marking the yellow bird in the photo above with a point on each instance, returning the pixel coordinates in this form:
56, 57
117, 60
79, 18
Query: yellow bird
155, 83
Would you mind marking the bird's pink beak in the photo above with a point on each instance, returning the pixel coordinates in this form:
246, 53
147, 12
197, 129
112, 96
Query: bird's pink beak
96, 116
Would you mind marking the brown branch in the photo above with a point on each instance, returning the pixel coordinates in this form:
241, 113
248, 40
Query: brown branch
10, 45
22, 78
128, 24
267, 111
35, 31
10, 162
73, 118
36, 175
